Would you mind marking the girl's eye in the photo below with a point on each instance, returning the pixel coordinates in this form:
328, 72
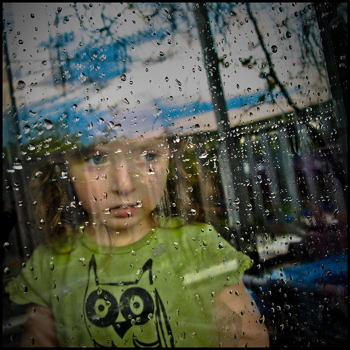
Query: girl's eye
148, 156
97, 159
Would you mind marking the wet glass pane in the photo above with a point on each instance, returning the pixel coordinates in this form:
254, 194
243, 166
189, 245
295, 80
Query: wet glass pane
175, 174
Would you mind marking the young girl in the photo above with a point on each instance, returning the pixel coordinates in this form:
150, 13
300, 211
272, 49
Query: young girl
126, 261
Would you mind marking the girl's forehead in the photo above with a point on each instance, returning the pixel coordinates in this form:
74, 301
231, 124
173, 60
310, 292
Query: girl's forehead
121, 145
125, 144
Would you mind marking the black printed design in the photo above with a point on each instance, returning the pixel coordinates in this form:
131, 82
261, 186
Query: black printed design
133, 307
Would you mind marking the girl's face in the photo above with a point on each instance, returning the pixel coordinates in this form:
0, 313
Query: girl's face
120, 183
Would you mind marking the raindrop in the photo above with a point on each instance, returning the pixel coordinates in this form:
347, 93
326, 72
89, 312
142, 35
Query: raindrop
32, 114
74, 107
26, 129
178, 82
44, 62
288, 34
204, 155
82, 77
21, 85
123, 77
17, 165
48, 124
6, 270
274, 48
24, 288
107, 211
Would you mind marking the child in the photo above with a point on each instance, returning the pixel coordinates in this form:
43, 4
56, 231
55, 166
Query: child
123, 265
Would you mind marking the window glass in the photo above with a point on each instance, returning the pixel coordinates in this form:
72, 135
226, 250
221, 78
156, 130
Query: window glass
240, 110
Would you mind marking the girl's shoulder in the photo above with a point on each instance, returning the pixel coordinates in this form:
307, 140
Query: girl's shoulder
181, 230
181, 225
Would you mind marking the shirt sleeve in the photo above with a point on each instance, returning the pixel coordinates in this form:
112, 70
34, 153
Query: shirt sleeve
32, 284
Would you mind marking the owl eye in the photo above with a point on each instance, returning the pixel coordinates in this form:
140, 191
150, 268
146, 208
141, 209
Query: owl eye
137, 303
102, 308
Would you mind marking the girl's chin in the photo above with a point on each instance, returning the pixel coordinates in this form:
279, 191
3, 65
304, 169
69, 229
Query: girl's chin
126, 221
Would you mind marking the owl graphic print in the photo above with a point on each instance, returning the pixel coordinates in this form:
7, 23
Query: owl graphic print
128, 311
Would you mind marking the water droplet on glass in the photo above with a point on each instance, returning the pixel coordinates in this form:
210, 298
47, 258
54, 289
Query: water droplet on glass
21, 85
26, 129
203, 155
48, 124
17, 165
274, 48
24, 288
82, 77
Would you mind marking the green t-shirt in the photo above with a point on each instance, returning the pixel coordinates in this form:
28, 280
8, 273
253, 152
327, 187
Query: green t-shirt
159, 291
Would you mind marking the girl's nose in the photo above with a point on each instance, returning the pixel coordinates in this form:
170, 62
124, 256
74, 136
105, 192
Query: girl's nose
121, 179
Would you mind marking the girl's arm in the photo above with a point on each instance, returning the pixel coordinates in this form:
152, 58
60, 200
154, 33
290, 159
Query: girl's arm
239, 318
39, 327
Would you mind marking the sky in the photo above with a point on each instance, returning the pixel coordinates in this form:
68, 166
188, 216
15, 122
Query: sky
162, 70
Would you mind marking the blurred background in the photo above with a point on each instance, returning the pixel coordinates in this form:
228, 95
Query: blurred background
259, 89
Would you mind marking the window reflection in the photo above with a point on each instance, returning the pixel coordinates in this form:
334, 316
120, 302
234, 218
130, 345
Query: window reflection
249, 93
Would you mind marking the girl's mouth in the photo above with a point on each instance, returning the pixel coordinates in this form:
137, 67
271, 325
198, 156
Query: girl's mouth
123, 211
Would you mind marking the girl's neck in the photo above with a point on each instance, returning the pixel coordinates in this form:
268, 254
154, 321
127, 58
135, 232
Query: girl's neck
103, 235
